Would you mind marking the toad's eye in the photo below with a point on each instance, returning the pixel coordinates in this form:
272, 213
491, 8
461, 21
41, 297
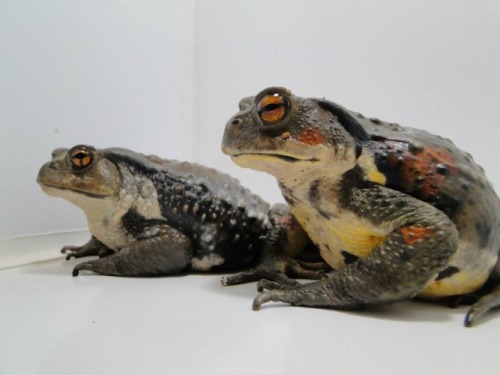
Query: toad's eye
80, 157
272, 108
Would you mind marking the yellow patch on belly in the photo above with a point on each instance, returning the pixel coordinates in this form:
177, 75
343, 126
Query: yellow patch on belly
474, 265
457, 284
343, 231
359, 240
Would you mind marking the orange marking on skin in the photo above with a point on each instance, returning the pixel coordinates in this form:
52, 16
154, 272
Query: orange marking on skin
414, 233
430, 157
311, 137
442, 155
423, 164
428, 160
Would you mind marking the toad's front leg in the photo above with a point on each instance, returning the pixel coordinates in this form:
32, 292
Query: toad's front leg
92, 247
420, 245
166, 253
276, 263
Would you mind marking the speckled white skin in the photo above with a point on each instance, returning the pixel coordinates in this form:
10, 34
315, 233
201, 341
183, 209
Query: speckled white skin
104, 215
206, 262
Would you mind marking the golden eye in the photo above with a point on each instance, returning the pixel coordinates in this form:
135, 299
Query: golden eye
80, 157
273, 108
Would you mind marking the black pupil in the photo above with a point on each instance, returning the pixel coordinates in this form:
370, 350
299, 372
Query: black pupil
271, 107
81, 155
78, 158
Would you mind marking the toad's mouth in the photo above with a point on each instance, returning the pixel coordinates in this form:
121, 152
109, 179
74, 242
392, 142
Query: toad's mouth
287, 158
54, 190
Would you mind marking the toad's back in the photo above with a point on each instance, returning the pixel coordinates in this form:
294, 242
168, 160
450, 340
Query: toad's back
434, 170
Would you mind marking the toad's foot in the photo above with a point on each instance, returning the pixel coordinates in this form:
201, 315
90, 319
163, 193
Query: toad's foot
85, 266
93, 247
482, 306
276, 292
80, 252
272, 291
273, 295
272, 285
280, 269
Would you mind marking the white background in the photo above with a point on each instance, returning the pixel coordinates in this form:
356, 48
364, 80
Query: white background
164, 77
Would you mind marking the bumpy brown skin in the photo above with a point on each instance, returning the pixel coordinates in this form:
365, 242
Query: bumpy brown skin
399, 212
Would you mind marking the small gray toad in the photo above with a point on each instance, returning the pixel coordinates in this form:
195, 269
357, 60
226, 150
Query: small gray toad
149, 216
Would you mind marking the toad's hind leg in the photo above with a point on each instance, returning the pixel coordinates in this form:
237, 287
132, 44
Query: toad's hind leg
420, 245
323, 293
166, 253
486, 303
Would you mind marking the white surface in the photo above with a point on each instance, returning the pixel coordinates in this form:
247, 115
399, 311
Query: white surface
164, 77
53, 323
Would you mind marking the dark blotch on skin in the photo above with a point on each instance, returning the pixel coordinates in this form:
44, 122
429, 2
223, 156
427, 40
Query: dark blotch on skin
358, 150
446, 203
415, 148
346, 120
324, 213
447, 272
484, 232
442, 169
313, 194
348, 257
134, 223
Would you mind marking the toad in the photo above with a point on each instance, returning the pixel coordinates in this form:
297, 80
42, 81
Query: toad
150, 216
397, 212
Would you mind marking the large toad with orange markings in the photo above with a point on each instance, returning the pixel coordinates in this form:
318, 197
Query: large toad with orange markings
398, 212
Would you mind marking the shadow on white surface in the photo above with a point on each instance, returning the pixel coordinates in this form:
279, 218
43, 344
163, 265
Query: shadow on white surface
406, 311
59, 266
